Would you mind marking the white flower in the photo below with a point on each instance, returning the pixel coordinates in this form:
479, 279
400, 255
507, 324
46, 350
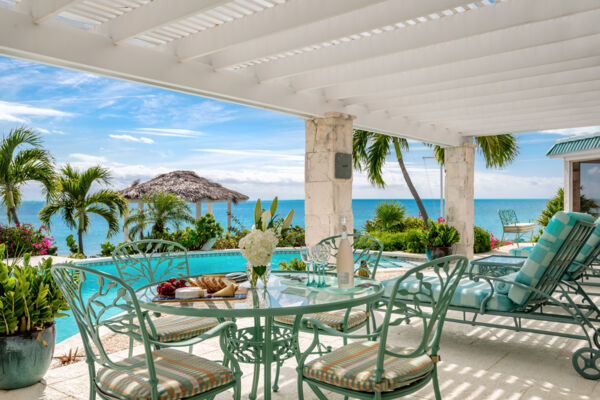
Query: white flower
258, 246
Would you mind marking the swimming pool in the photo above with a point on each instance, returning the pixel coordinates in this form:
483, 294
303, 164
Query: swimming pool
200, 263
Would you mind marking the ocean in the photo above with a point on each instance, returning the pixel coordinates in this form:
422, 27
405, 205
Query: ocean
486, 216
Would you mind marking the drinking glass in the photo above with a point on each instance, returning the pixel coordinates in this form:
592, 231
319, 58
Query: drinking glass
320, 254
308, 260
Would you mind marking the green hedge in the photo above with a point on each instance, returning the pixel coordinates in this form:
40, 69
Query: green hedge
483, 240
409, 241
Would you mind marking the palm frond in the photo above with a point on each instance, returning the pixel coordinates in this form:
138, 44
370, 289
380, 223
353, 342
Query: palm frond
360, 141
377, 152
498, 150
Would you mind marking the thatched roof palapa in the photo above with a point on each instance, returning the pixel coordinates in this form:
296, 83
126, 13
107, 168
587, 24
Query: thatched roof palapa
186, 185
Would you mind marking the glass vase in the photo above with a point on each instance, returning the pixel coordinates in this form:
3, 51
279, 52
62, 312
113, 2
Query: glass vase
256, 273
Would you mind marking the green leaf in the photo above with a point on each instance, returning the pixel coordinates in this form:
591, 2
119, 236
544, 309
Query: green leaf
274, 206
257, 213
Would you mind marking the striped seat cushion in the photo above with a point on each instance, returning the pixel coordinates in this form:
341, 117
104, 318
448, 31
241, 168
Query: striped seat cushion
590, 245
353, 367
179, 374
521, 227
334, 319
173, 328
521, 252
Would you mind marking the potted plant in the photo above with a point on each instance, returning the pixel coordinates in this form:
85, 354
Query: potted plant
29, 302
439, 238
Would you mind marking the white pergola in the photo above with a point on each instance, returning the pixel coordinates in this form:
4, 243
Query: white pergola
440, 71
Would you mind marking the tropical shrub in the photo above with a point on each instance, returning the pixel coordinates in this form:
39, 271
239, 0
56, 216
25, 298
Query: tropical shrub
294, 265
439, 234
107, 248
230, 240
193, 238
389, 216
29, 297
483, 240
413, 223
409, 241
26, 239
73, 248
292, 237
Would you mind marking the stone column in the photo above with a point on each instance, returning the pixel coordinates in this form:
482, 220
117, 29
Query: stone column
229, 214
326, 198
460, 213
210, 207
198, 209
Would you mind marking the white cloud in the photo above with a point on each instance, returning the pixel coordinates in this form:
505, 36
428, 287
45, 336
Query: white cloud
165, 132
261, 154
132, 138
574, 131
86, 159
15, 112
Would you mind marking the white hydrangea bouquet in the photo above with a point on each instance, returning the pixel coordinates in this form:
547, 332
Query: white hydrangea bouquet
258, 246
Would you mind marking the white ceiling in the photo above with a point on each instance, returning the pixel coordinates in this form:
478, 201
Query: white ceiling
436, 70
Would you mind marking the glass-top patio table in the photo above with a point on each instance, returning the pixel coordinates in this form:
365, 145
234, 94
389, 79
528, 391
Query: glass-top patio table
266, 343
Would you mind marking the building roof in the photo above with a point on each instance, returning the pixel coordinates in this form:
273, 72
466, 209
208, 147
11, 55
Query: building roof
575, 144
186, 185
438, 71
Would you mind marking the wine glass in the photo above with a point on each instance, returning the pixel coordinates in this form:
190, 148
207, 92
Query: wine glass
320, 254
308, 260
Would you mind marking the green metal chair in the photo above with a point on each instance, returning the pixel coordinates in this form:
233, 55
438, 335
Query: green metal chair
511, 224
366, 249
150, 261
373, 368
99, 300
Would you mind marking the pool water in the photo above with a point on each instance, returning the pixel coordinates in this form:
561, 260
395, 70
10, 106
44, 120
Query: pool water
200, 264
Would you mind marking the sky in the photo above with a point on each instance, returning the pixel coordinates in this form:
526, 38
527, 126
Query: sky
140, 131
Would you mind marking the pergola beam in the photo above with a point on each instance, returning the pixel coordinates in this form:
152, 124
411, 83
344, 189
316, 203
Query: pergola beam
56, 45
42, 10
154, 15
268, 22
528, 78
376, 15
535, 125
588, 83
494, 29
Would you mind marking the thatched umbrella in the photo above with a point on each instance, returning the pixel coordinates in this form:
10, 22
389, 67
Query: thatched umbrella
187, 186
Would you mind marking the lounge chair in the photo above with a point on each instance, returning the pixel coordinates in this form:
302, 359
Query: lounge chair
374, 368
511, 224
537, 291
159, 372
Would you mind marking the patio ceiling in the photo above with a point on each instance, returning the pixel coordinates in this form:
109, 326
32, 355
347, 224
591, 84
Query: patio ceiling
437, 71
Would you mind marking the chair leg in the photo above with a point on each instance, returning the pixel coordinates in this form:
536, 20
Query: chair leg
255, 377
275, 386
300, 387
130, 347
436, 385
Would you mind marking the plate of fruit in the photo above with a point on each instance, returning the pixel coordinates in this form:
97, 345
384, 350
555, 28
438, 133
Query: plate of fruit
168, 287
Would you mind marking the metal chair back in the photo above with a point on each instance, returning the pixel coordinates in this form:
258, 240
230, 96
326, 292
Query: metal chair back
364, 247
97, 300
559, 264
423, 302
508, 217
151, 260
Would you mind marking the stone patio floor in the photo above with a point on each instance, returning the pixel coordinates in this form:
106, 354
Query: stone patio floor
477, 363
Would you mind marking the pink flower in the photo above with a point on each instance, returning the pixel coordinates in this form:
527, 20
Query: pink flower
419, 214
441, 219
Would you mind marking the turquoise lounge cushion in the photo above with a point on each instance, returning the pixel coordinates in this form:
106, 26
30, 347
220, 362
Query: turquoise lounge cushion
468, 293
544, 251
521, 252
502, 287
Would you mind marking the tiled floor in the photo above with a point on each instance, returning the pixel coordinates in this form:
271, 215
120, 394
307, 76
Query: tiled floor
477, 363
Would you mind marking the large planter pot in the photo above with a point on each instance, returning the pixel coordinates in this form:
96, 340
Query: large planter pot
437, 252
25, 358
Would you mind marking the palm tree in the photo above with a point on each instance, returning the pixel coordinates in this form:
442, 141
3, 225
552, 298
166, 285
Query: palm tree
163, 209
75, 203
369, 151
498, 151
19, 166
